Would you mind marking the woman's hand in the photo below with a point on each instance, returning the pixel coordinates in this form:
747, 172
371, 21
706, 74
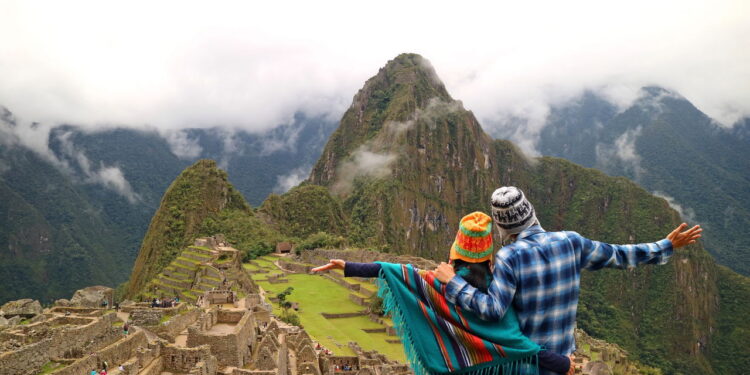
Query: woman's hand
333, 264
572, 369
444, 272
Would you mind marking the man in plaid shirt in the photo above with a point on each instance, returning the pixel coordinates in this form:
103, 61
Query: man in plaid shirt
539, 273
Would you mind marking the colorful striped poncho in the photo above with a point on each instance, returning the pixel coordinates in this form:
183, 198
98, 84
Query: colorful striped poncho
440, 338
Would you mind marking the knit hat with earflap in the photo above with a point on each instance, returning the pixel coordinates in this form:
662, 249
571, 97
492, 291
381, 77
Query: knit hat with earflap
473, 242
511, 211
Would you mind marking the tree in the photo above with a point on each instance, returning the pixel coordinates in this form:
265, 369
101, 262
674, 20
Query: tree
285, 305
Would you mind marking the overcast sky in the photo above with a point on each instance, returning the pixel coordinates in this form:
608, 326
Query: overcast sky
251, 65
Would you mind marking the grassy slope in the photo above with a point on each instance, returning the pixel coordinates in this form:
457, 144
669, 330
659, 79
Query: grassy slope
317, 294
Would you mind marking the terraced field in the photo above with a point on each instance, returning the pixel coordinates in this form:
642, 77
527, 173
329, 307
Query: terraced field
318, 294
178, 278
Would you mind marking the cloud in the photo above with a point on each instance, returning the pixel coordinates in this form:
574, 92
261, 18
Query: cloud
364, 162
686, 213
110, 177
35, 137
291, 179
251, 66
622, 151
4, 167
181, 144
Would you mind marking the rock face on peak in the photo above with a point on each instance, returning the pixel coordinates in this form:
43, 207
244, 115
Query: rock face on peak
201, 191
389, 100
408, 161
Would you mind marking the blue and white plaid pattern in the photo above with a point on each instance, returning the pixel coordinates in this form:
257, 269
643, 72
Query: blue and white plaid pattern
540, 275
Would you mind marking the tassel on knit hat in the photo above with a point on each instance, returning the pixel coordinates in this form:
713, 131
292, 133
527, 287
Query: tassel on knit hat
473, 242
511, 211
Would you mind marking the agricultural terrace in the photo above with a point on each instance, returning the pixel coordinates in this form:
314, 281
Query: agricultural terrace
318, 294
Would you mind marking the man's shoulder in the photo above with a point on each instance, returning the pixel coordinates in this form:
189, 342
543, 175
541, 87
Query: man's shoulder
544, 238
536, 242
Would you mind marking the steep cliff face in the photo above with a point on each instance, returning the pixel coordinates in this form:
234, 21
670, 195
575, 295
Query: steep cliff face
408, 161
200, 192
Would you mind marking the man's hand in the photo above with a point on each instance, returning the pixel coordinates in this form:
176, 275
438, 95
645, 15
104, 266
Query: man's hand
680, 239
444, 272
333, 264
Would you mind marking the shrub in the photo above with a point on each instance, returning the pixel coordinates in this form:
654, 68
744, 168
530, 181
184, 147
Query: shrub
291, 318
320, 240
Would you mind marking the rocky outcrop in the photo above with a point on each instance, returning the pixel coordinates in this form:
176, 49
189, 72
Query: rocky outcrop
93, 296
26, 308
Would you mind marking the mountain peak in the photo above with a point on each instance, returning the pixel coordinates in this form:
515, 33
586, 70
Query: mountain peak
201, 191
411, 69
405, 92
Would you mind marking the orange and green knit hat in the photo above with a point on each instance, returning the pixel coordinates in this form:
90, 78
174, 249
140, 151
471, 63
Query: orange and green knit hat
473, 242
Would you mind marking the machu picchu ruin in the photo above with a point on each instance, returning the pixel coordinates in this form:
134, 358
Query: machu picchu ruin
208, 313
202, 315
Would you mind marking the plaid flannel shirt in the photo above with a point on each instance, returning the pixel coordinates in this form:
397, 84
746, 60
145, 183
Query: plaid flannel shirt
540, 275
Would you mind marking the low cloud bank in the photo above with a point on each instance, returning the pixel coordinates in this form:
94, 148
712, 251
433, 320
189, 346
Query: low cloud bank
72, 161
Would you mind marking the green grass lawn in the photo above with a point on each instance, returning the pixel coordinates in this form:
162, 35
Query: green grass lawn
49, 367
316, 294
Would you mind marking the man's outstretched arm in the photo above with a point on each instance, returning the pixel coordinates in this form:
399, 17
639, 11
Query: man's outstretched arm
489, 306
596, 255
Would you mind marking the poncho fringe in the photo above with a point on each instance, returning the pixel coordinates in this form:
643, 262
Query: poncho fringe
525, 364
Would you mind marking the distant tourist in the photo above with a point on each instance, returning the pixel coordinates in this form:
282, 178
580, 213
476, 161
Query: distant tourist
125, 328
121, 368
94, 372
105, 365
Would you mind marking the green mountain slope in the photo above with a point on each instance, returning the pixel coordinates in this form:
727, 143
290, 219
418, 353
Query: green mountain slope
52, 239
200, 193
668, 146
305, 210
408, 162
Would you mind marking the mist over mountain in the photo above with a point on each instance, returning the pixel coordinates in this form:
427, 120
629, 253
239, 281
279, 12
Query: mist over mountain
94, 193
665, 144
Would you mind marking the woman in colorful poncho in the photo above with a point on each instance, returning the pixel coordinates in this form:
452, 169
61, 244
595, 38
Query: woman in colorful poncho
440, 338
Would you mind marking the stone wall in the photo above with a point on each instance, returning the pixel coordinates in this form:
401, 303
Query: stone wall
283, 363
147, 305
114, 354
152, 316
338, 279
172, 328
239, 371
358, 300
26, 360
230, 317
183, 360
152, 368
48, 341
343, 315
146, 317
86, 311
295, 267
230, 349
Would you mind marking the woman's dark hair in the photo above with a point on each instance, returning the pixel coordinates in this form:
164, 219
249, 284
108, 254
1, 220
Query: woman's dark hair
476, 274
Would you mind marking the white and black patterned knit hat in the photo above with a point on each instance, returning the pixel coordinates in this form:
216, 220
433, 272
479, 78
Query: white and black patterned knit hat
511, 211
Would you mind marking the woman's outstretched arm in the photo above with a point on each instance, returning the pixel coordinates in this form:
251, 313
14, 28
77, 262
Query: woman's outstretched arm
351, 269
